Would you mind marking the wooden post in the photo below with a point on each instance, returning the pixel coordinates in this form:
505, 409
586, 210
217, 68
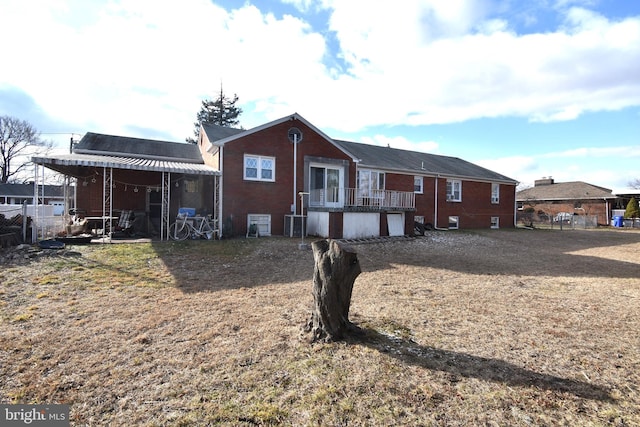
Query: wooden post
335, 271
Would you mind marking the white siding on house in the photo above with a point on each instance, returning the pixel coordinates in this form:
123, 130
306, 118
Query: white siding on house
318, 224
360, 225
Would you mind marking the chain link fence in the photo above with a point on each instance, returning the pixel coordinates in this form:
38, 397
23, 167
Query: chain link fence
560, 221
20, 224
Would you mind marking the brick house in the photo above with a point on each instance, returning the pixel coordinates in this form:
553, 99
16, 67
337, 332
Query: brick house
345, 189
17, 194
550, 199
271, 179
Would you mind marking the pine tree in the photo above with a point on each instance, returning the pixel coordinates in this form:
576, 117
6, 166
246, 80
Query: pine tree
222, 112
632, 211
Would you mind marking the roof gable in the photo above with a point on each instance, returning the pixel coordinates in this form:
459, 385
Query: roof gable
214, 134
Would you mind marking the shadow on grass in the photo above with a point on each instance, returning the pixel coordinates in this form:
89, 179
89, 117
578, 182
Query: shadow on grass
469, 366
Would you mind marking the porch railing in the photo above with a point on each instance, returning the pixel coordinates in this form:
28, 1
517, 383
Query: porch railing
363, 199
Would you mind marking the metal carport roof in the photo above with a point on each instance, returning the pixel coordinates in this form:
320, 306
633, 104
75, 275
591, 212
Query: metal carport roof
72, 164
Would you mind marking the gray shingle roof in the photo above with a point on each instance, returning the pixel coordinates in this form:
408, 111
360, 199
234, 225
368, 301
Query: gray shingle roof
26, 190
574, 190
120, 152
216, 133
123, 146
387, 158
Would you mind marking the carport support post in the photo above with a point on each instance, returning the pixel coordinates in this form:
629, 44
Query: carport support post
166, 199
107, 205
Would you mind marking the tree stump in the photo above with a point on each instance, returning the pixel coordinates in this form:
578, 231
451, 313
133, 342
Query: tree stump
336, 268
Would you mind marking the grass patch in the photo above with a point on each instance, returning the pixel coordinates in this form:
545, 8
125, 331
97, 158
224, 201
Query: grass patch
482, 328
23, 317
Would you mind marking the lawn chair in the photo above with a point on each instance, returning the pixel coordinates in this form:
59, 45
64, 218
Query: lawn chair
126, 222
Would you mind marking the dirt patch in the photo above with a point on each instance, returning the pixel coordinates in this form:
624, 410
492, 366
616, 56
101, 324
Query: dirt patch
457, 328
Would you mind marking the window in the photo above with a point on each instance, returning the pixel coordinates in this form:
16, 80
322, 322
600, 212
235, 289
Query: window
259, 168
258, 225
495, 222
417, 184
369, 181
454, 190
190, 186
454, 222
495, 193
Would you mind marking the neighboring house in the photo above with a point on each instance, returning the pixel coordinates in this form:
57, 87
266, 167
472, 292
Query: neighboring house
349, 190
624, 196
557, 200
18, 194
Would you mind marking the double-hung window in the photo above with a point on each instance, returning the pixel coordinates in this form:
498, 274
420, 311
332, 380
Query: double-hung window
259, 168
454, 190
495, 193
417, 184
369, 182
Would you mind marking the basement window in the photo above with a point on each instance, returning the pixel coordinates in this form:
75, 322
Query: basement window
454, 222
259, 225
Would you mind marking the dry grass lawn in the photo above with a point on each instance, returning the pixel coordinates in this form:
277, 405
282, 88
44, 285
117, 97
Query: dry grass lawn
500, 327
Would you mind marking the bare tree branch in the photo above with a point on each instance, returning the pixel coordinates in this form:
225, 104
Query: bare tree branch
19, 140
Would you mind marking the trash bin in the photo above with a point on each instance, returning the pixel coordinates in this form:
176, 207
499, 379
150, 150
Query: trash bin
618, 221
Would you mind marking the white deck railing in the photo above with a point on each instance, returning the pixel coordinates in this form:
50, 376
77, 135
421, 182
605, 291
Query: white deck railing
365, 199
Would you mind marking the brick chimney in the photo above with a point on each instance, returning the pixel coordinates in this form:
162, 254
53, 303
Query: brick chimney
543, 181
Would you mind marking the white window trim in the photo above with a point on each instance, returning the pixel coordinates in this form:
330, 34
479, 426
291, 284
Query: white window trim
450, 197
495, 222
262, 221
456, 220
259, 167
340, 202
495, 196
421, 184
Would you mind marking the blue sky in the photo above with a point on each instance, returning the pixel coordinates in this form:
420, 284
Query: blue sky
526, 88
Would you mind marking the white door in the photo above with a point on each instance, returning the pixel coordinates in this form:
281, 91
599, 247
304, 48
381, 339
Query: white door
395, 224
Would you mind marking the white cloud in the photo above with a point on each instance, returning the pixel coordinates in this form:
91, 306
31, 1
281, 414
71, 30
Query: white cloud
589, 65
588, 164
121, 65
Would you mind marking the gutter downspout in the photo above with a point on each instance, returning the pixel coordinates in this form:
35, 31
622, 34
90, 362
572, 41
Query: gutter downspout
220, 192
435, 206
435, 209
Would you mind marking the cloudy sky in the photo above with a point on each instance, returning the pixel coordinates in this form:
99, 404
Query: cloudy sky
528, 88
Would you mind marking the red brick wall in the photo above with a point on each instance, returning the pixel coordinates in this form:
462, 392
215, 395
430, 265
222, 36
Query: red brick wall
242, 197
90, 197
474, 211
